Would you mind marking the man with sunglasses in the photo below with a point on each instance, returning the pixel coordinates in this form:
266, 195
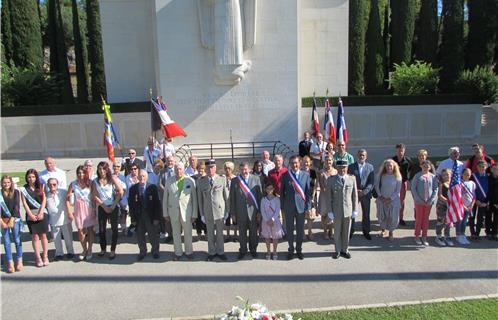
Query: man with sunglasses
132, 159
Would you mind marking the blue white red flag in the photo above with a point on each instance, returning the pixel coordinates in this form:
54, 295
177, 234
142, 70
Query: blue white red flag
161, 120
329, 123
110, 133
342, 131
315, 126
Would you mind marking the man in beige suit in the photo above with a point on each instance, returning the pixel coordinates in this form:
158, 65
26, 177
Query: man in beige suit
180, 207
343, 207
212, 193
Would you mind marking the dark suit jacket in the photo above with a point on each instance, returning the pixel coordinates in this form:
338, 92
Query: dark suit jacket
241, 206
148, 206
126, 165
304, 148
367, 183
290, 200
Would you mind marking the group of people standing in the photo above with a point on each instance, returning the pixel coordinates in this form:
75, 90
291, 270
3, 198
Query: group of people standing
165, 199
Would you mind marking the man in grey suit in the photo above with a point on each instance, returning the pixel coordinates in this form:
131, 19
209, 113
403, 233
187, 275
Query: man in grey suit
295, 199
343, 207
212, 193
245, 198
364, 174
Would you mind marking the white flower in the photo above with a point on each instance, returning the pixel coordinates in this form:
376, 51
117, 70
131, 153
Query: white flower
255, 315
288, 316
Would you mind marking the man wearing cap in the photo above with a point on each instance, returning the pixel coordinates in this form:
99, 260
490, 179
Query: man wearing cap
212, 194
180, 207
343, 207
245, 198
295, 200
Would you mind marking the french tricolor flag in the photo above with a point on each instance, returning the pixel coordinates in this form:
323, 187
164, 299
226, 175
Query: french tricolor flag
329, 123
315, 126
342, 132
161, 120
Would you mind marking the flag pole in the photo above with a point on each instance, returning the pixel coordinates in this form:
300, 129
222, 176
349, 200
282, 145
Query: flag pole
119, 145
152, 133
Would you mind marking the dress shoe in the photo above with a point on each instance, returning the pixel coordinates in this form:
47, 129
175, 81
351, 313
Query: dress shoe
367, 236
155, 256
58, 258
254, 254
223, 257
290, 256
190, 257
346, 255
241, 256
176, 258
140, 257
69, 256
402, 222
335, 255
112, 256
210, 257
168, 239
300, 255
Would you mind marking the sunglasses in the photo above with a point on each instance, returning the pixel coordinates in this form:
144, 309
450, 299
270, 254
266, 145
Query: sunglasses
134, 168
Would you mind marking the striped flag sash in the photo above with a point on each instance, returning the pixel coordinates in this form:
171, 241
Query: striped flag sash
467, 191
30, 199
297, 186
479, 185
245, 187
455, 205
4, 206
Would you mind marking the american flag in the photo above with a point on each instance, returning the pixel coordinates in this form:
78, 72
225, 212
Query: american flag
455, 200
314, 119
329, 123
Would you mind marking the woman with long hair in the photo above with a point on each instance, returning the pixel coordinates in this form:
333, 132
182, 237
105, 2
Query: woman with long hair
388, 187
34, 202
84, 214
106, 192
11, 223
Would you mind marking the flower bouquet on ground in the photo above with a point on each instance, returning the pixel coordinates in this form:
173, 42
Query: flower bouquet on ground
255, 311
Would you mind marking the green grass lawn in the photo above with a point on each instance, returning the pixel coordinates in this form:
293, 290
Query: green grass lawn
465, 310
14, 175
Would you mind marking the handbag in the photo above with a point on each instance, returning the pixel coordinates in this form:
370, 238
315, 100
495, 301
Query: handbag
9, 222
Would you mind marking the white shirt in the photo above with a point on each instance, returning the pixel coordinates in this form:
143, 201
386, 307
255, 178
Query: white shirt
189, 171
167, 149
129, 182
56, 206
360, 168
448, 164
58, 174
150, 157
318, 147
267, 166
122, 181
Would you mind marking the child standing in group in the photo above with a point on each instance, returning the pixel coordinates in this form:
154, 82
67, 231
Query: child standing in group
442, 210
469, 199
482, 203
271, 229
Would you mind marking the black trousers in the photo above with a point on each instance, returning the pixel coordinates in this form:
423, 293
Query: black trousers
103, 217
244, 225
294, 220
365, 216
492, 221
477, 214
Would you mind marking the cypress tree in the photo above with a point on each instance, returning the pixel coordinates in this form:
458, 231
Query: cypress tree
358, 17
402, 27
483, 15
451, 49
386, 39
375, 53
7, 49
95, 51
82, 88
427, 32
26, 36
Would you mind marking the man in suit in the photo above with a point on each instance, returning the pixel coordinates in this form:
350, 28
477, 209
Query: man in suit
180, 208
245, 198
343, 207
295, 199
305, 145
132, 159
364, 174
145, 209
212, 194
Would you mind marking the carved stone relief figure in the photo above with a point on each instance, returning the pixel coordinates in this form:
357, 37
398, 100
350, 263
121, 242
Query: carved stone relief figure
228, 27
